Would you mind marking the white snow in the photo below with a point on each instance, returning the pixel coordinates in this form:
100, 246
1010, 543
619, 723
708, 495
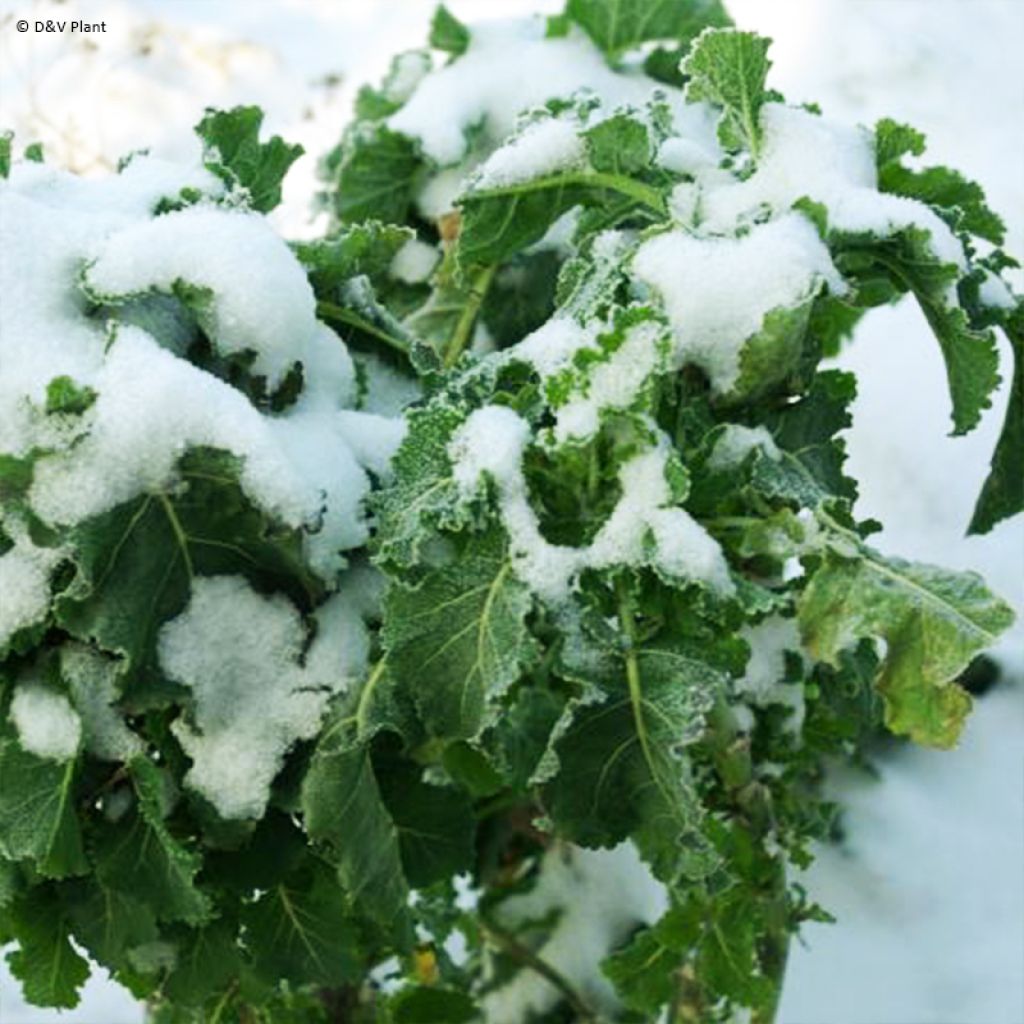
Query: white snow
541, 147
92, 680
587, 888
259, 298
24, 580
152, 405
762, 682
781, 264
510, 67
414, 262
241, 654
492, 442
832, 163
736, 442
46, 722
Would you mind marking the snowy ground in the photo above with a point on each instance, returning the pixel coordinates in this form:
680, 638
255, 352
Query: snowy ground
928, 889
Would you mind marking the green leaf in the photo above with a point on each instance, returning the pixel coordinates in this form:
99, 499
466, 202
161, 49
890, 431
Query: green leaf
894, 141
420, 1004
501, 221
644, 971
434, 823
109, 923
355, 250
933, 622
464, 628
304, 934
6, 138
448, 33
38, 819
343, 809
63, 395
805, 430
140, 857
423, 495
50, 970
375, 176
729, 69
620, 144
908, 261
1002, 494
234, 153
206, 961
619, 25
621, 767
136, 562
939, 187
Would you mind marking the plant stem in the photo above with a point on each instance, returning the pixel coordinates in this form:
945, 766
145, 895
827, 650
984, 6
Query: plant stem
509, 944
464, 327
330, 311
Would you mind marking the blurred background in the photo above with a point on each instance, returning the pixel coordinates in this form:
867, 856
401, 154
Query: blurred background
928, 884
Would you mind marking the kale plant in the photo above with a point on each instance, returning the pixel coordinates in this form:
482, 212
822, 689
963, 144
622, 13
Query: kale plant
450, 618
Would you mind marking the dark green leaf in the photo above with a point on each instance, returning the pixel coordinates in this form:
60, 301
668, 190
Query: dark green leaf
136, 562
458, 639
304, 933
376, 175
38, 820
50, 970
235, 154
139, 856
343, 809
1002, 494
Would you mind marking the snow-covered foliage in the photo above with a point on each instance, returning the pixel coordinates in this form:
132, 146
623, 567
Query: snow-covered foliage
556, 370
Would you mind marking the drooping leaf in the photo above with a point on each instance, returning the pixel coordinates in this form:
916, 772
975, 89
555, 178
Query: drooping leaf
1002, 494
235, 154
434, 824
933, 622
6, 138
140, 856
344, 810
622, 771
206, 960
45, 962
463, 628
908, 262
940, 187
729, 69
109, 923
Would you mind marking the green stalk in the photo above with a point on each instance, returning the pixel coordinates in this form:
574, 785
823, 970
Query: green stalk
470, 311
